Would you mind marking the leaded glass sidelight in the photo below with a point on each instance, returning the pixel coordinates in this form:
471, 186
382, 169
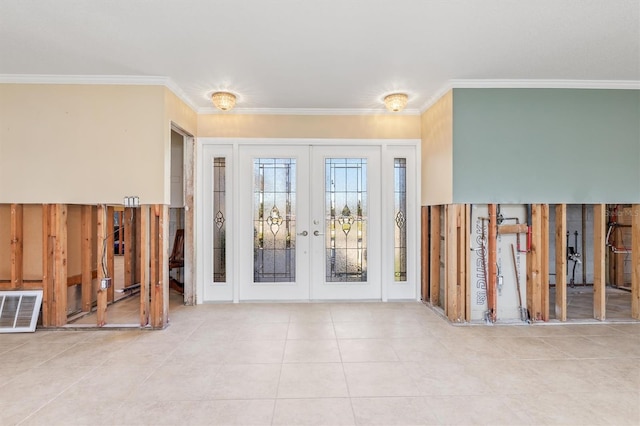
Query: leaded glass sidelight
219, 220
346, 212
274, 204
400, 219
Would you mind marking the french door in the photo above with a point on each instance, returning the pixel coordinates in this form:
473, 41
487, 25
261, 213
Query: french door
313, 216
308, 221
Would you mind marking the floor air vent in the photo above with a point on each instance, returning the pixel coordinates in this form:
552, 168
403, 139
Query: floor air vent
19, 310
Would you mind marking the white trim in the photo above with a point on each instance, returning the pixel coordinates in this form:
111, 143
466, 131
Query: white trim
124, 80
306, 111
529, 84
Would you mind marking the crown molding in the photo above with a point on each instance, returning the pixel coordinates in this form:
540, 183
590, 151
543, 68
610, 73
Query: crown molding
124, 80
305, 111
529, 84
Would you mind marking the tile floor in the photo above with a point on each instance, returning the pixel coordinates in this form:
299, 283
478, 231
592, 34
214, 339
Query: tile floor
322, 363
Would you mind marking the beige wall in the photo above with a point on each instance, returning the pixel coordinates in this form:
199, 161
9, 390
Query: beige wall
310, 126
82, 144
437, 152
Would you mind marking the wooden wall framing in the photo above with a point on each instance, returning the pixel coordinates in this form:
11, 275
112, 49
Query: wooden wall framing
635, 254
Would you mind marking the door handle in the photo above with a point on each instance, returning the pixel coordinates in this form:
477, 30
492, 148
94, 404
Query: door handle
317, 233
303, 233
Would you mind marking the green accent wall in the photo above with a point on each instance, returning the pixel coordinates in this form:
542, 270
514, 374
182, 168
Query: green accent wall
546, 146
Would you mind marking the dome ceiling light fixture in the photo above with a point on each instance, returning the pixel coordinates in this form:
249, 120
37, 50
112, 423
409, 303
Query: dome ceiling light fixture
224, 101
396, 102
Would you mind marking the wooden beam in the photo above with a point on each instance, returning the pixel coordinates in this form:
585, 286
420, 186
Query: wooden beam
463, 262
492, 268
73, 280
434, 268
129, 246
60, 266
86, 237
544, 263
160, 263
599, 262
47, 265
154, 267
451, 262
17, 235
102, 298
189, 222
561, 262
143, 265
424, 252
164, 246
469, 230
635, 262
110, 252
534, 259
138, 253
520, 228
120, 232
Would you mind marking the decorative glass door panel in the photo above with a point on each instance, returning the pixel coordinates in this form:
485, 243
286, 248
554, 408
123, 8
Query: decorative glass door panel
345, 190
274, 220
346, 219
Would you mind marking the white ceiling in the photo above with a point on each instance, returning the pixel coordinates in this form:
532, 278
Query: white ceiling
330, 54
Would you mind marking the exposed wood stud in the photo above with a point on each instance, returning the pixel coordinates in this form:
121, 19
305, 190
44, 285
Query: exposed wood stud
424, 250
534, 276
47, 265
120, 232
635, 256
189, 222
512, 229
129, 246
451, 262
492, 268
17, 235
544, 263
86, 236
561, 262
143, 265
102, 298
163, 258
599, 262
60, 266
434, 269
465, 261
154, 267
110, 249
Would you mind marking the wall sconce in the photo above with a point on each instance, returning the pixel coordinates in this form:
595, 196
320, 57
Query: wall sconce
396, 102
224, 101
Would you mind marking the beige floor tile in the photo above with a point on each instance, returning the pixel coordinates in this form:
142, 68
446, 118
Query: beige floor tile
231, 412
480, 410
255, 352
312, 381
310, 315
57, 412
313, 411
266, 331
12, 413
393, 411
245, 381
546, 408
311, 351
219, 364
360, 330
446, 377
419, 349
311, 330
379, 379
367, 350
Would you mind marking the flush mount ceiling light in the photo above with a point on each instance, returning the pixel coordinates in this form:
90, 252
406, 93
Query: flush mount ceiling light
396, 102
224, 101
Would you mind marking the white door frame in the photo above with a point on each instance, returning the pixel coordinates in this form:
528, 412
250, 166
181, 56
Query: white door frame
389, 287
